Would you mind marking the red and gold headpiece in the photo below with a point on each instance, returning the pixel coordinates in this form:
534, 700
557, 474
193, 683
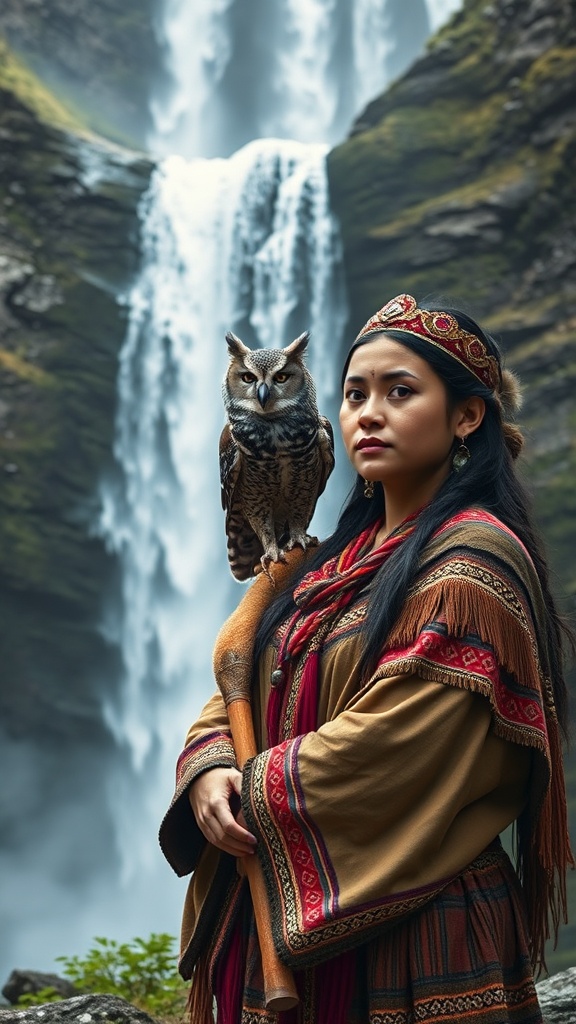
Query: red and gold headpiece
440, 329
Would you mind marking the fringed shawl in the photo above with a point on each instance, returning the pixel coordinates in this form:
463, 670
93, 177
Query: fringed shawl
475, 579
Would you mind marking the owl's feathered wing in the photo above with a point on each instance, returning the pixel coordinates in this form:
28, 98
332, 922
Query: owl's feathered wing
244, 547
327, 453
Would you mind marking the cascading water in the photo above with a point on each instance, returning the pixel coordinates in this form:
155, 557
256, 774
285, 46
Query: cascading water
246, 244
298, 69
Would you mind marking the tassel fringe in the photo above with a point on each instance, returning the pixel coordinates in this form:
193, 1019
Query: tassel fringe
459, 605
543, 843
544, 855
200, 998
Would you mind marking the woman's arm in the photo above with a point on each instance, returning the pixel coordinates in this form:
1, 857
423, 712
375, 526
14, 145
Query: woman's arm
364, 820
208, 747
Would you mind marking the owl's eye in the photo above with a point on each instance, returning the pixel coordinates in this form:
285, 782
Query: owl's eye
281, 378
248, 378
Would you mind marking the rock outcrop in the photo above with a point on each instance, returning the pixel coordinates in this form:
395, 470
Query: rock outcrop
88, 1009
100, 58
458, 182
26, 983
557, 997
458, 177
69, 246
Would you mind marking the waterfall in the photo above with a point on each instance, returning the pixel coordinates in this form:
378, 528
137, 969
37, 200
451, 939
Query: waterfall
240, 70
247, 244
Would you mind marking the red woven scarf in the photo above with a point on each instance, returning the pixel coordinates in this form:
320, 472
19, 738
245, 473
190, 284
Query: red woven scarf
321, 597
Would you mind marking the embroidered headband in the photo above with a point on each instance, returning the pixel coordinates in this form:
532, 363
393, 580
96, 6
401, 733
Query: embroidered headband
440, 329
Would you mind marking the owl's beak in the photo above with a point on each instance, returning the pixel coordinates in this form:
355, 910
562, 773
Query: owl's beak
263, 394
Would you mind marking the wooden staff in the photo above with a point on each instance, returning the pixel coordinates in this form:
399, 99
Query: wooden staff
233, 670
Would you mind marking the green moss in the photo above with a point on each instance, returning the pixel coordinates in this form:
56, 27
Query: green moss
550, 78
22, 369
454, 126
470, 194
17, 79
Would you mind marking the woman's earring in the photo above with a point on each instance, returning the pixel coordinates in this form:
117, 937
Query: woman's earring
368, 489
461, 456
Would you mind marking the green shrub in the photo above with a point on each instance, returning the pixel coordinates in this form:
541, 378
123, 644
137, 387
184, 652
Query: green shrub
141, 971
43, 995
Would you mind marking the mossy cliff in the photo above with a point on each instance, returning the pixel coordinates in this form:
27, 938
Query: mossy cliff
68, 247
459, 182
101, 59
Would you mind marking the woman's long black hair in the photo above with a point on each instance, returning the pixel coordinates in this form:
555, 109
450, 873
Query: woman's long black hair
488, 480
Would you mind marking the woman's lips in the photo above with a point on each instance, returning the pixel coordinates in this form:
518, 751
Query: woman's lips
367, 444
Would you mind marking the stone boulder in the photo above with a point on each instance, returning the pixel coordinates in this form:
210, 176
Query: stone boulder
24, 983
89, 1009
557, 997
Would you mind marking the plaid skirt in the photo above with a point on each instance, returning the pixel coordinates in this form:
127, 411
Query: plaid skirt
462, 958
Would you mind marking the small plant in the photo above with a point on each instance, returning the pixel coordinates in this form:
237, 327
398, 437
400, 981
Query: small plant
43, 995
141, 971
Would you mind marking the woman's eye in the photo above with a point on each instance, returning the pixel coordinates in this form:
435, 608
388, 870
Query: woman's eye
248, 378
400, 391
281, 378
354, 395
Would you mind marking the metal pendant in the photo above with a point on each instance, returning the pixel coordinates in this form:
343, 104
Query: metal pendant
277, 677
461, 457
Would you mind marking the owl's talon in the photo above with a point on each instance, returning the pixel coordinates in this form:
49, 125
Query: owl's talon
302, 542
266, 561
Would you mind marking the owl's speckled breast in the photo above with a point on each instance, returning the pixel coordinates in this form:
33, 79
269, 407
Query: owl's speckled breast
271, 437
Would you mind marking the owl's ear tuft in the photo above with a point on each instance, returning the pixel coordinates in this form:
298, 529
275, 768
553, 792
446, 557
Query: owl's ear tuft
298, 347
235, 346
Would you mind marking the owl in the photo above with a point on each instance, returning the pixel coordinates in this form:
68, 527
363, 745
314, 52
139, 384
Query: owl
276, 453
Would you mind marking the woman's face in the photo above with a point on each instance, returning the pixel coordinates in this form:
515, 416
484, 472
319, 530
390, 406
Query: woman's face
395, 419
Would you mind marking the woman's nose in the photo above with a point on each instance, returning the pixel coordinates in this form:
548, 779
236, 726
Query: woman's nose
371, 411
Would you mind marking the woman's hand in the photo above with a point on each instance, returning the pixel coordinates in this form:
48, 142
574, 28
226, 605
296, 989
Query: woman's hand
212, 797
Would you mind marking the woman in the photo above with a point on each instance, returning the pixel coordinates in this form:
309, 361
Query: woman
409, 702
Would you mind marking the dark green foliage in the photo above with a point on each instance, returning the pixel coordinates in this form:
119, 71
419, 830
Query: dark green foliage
142, 971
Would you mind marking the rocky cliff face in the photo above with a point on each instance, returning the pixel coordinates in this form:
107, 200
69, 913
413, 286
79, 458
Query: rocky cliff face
100, 58
68, 244
459, 182
68, 247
